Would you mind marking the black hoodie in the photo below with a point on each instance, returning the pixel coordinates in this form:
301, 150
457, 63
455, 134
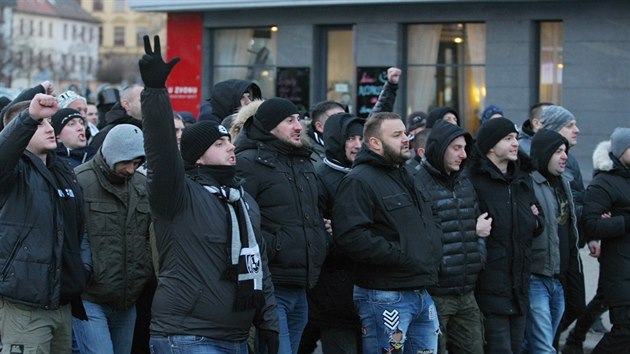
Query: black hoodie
226, 97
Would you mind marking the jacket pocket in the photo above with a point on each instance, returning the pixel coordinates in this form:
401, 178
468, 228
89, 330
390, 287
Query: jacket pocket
396, 201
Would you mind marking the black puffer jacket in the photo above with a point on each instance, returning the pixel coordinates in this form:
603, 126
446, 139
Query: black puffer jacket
331, 300
385, 226
609, 191
454, 199
503, 285
282, 180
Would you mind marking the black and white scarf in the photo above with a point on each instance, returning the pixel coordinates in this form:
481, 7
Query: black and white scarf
245, 264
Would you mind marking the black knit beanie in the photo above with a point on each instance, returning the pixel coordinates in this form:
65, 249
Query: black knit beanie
273, 111
62, 117
197, 138
544, 144
492, 132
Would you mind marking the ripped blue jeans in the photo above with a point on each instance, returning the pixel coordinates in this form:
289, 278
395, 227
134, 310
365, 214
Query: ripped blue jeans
397, 321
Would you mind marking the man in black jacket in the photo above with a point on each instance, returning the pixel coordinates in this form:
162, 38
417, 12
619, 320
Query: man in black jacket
44, 256
501, 178
127, 111
609, 193
453, 196
213, 278
385, 226
330, 302
278, 173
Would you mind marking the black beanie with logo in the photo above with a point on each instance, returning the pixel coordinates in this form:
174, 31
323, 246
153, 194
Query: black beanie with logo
197, 138
544, 144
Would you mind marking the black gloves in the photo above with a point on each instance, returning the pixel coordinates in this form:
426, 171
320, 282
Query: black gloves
269, 340
153, 70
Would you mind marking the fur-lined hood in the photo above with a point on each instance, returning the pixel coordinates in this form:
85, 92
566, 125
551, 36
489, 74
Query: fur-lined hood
601, 157
243, 115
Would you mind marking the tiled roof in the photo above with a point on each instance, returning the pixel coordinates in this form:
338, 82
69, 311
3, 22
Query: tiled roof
68, 9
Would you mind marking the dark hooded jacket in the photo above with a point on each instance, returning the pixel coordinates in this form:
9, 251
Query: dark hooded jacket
454, 199
225, 98
331, 300
609, 191
117, 115
439, 112
503, 285
374, 206
282, 180
191, 233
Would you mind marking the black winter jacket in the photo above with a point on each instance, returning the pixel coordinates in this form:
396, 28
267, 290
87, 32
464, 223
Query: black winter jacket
455, 201
331, 300
282, 180
386, 226
117, 115
191, 232
44, 256
503, 285
609, 191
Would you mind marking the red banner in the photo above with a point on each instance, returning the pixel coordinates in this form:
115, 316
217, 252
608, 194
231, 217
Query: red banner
184, 35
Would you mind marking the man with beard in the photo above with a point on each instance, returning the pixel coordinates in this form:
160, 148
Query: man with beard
453, 197
501, 179
279, 175
117, 209
72, 146
385, 226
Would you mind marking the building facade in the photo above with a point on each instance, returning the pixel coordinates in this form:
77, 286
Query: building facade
464, 54
49, 40
120, 37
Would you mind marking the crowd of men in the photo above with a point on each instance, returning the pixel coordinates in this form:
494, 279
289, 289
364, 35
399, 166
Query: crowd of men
128, 229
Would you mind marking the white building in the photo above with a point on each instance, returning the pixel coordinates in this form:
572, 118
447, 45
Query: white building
52, 40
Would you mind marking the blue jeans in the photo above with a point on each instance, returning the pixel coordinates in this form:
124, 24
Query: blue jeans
195, 345
107, 330
546, 306
292, 315
397, 321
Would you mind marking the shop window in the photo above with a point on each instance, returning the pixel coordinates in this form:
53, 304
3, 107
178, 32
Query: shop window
340, 66
446, 67
551, 62
246, 54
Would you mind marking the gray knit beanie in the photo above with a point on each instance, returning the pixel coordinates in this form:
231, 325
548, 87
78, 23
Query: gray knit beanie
620, 141
555, 118
124, 142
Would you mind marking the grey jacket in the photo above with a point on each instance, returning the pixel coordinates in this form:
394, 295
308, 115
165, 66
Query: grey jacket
546, 247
